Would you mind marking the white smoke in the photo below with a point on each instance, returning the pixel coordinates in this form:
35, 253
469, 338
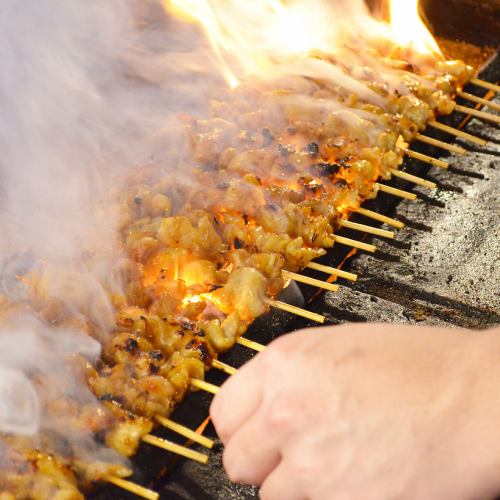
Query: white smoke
84, 85
27, 346
85, 88
19, 411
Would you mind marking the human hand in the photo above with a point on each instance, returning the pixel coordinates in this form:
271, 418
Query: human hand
365, 412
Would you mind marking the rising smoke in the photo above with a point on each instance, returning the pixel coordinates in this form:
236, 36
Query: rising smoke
84, 84
86, 88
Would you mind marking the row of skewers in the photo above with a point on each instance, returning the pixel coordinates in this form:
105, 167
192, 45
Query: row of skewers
266, 182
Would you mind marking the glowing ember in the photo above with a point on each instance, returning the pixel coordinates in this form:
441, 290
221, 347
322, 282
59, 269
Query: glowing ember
194, 299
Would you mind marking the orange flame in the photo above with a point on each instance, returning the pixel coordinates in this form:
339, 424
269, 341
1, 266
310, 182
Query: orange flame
249, 37
202, 12
408, 28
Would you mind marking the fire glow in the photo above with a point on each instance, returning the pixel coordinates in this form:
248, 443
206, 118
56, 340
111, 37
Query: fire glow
249, 38
408, 29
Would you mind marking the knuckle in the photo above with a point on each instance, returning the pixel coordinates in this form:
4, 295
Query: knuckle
217, 415
269, 360
280, 416
266, 493
283, 343
215, 408
271, 489
305, 469
230, 462
223, 433
274, 356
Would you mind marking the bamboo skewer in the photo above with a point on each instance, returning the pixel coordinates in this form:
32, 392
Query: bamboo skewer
255, 346
478, 114
379, 217
413, 178
204, 386
185, 431
367, 229
296, 310
440, 144
213, 389
457, 133
427, 159
332, 271
396, 192
134, 488
354, 243
479, 100
200, 384
219, 365
310, 281
167, 445
485, 85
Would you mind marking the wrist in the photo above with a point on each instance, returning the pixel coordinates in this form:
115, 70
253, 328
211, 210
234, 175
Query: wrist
477, 417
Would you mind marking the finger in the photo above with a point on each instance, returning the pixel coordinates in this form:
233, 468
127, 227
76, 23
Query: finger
237, 400
281, 484
252, 452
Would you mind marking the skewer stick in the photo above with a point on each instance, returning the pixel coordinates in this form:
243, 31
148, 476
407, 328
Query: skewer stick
413, 178
427, 159
185, 431
381, 218
485, 85
167, 445
479, 100
332, 271
204, 386
255, 346
134, 488
310, 281
354, 243
478, 114
296, 310
219, 365
458, 133
367, 229
440, 144
396, 192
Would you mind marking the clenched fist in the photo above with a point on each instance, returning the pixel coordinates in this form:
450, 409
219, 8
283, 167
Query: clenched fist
366, 412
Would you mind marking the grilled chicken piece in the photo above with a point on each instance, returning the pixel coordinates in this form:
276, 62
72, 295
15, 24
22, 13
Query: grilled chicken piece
201, 238
244, 293
297, 255
33, 475
126, 435
272, 171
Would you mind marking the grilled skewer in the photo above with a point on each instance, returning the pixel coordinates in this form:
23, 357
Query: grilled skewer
206, 260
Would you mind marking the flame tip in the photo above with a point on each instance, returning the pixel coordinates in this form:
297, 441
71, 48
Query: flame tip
253, 37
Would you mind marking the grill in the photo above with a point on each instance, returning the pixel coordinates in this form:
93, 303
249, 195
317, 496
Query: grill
442, 269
